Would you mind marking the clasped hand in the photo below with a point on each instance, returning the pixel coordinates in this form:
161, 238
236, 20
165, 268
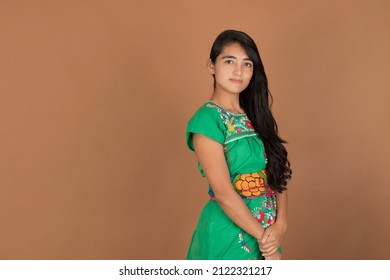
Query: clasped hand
270, 242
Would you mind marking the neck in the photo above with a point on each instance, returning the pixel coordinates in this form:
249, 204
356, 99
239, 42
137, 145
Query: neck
230, 102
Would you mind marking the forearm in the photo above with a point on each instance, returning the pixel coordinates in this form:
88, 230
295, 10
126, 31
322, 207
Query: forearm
235, 208
281, 199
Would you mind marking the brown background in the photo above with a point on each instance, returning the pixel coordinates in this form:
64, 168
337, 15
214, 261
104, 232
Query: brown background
95, 97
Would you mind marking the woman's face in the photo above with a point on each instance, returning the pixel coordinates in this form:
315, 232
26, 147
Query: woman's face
232, 69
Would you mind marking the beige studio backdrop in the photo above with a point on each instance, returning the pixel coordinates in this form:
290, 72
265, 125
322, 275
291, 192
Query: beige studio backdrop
94, 101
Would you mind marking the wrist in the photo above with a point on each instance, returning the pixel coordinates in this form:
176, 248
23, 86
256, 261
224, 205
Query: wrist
259, 236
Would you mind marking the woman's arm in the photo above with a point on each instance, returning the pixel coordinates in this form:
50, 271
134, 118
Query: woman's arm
212, 159
281, 200
273, 234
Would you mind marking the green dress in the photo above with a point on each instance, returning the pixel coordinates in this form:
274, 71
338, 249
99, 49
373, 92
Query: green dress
216, 236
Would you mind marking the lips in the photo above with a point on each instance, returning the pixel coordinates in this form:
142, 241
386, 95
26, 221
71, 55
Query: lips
236, 81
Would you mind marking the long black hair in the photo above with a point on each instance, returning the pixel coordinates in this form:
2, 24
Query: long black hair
256, 100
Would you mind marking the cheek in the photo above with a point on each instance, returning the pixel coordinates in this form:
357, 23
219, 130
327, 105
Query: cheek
249, 75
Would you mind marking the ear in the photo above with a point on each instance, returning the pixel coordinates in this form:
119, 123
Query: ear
210, 66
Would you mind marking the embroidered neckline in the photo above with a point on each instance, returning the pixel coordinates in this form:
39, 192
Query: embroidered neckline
230, 113
237, 125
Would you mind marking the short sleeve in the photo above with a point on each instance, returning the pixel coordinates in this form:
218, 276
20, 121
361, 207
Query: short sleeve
206, 121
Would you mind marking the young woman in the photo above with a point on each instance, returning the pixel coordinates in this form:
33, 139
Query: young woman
235, 138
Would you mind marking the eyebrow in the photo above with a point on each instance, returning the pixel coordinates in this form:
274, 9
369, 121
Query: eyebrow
231, 56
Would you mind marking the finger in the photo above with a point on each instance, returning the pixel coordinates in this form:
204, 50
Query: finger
271, 252
275, 256
269, 248
269, 241
266, 250
269, 245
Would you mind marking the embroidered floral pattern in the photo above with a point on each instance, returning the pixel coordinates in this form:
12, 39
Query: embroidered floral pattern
249, 124
241, 240
230, 127
251, 184
238, 125
266, 216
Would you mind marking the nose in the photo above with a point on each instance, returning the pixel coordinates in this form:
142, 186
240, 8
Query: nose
237, 70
